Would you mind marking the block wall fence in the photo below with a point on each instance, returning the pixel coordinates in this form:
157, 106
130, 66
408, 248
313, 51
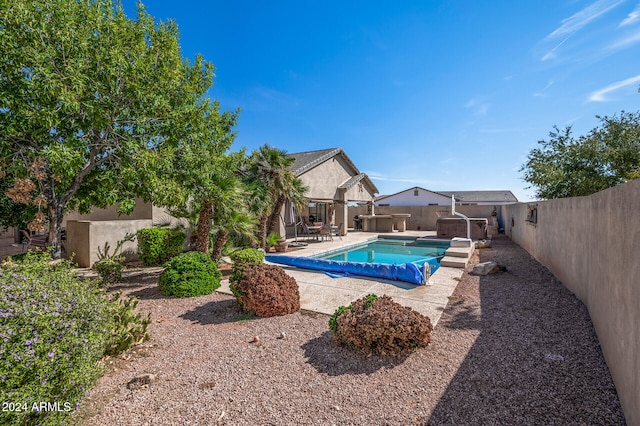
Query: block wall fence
592, 245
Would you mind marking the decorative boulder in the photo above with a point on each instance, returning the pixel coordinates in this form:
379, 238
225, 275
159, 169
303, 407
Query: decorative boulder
488, 268
483, 244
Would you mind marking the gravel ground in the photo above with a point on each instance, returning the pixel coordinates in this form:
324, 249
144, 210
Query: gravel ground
512, 348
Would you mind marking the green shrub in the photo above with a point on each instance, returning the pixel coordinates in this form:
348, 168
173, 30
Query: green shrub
380, 326
157, 245
109, 266
190, 274
267, 291
128, 328
54, 328
243, 258
110, 270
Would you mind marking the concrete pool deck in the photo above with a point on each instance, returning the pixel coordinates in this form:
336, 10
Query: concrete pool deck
321, 293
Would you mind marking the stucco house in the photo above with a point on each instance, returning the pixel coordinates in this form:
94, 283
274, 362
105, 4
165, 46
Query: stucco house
418, 196
331, 177
333, 181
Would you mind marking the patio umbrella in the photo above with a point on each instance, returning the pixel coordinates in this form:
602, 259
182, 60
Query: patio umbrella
290, 217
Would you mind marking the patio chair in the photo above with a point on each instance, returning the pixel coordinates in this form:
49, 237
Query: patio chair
325, 232
309, 232
28, 240
337, 231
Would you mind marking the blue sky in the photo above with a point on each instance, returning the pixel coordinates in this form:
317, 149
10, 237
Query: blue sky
446, 95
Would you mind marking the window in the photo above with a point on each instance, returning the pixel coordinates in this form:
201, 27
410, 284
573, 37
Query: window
317, 212
416, 192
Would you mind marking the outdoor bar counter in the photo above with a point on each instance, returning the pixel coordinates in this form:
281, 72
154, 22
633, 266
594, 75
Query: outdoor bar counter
396, 222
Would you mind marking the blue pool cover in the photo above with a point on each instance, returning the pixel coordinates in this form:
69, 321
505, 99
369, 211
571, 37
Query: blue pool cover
408, 272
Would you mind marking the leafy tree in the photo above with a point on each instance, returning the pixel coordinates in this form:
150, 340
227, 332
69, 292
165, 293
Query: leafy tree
270, 170
83, 89
13, 213
231, 214
565, 166
197, 179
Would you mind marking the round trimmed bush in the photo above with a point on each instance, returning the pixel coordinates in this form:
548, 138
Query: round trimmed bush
267, 291
243, 258
189, 274
380, 326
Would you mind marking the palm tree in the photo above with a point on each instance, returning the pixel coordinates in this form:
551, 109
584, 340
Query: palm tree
270, 170
230, 210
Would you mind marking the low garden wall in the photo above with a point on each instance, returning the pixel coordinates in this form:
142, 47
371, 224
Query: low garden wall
85, 236
592, 245
423, 218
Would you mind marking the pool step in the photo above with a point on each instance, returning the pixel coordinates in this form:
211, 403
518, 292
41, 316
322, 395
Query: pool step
454, 262
457, 257
459, 252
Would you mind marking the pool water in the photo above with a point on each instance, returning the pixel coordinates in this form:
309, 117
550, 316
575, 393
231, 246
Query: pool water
392, 252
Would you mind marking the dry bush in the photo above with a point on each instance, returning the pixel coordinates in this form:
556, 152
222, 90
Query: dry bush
267, 291
381, 326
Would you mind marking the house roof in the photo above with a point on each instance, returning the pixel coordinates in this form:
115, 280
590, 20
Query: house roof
352, 181
492, 196
305, 161
411, 189
496, 196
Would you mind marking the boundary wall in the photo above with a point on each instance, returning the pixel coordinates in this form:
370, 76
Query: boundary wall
592, 245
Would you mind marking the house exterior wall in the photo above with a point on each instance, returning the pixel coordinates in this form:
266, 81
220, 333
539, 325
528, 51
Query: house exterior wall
407, 198
141, 211
591, 245
323, 181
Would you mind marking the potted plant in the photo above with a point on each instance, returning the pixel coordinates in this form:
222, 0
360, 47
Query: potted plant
282, 245
109, 267
276, 240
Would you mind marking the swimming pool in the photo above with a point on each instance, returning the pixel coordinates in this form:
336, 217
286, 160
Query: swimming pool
410, 260
393, 251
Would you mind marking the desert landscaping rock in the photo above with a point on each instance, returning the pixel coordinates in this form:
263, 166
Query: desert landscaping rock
486, 268
510, 348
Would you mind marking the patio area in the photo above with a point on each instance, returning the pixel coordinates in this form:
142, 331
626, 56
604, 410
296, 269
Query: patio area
323, 294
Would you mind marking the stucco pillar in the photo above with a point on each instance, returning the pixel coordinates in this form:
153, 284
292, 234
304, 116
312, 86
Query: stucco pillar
341, 211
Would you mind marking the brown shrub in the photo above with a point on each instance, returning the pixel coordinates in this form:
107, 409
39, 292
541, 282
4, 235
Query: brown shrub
267, 291
381, 326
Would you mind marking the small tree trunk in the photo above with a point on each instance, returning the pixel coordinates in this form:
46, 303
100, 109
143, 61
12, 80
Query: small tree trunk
275, 215
54, 237
201, 240
221, 238
262, 232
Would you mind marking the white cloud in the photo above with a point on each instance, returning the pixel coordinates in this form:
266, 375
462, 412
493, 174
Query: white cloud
632, 17
480, 107
626, 42
576, 22
385, 178
542, 93
580, 19
552, 53
601, 95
